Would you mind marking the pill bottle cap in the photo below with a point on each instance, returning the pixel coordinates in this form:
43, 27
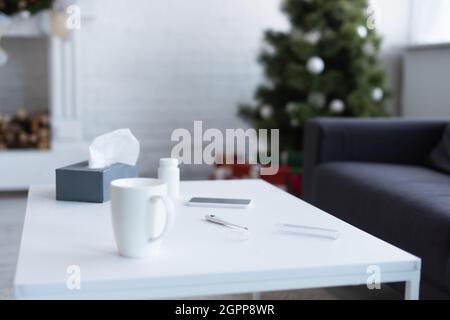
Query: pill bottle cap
168, 162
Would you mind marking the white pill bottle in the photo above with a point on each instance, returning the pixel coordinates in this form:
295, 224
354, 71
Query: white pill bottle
169, 172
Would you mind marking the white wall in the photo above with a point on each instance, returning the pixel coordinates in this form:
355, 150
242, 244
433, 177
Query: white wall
159, 65
426, 84
393, 18
419, 77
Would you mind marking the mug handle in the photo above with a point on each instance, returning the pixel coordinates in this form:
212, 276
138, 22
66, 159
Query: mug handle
170, 214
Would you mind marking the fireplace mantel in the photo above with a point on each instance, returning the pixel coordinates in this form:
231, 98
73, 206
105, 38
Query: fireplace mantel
21, 168
63, 73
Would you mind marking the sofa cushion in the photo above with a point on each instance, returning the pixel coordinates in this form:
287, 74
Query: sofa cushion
440, 156
407, 206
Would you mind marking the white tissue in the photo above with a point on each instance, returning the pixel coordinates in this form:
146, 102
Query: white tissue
119, 146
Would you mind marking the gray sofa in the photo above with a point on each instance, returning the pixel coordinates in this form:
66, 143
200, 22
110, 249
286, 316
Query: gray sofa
374, 175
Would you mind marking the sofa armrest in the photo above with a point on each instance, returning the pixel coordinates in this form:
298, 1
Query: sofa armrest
403, 141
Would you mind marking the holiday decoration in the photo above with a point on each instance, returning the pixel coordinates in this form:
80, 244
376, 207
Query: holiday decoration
250, 171
326, 64
289, 176
315, 65
362, 31
377, 94
11, 7
294, 184
24, 8
266, 112
25, 130
337, 106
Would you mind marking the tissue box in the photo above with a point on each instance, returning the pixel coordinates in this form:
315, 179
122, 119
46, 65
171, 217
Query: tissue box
78, 182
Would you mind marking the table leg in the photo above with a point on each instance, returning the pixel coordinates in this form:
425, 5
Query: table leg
256, 296
412, 288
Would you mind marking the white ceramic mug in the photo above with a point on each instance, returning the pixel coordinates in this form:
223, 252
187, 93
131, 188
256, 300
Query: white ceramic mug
141, 214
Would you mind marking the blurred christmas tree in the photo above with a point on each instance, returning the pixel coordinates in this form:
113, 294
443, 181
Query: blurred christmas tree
326, 65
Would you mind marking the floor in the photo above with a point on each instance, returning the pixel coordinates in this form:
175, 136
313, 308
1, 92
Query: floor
12, 212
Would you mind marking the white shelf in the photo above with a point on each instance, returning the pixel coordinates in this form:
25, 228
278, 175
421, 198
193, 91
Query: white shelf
31, 27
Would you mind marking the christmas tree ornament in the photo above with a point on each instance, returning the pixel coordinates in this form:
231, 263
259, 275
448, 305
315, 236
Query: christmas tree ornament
266, 112
317, 99
362, 31
291, 107
313, 37
377, 94
337, 106
315, 65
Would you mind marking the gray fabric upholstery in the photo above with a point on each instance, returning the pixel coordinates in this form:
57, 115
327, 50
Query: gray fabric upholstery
373, 174
367, 140
440, 156
408, 206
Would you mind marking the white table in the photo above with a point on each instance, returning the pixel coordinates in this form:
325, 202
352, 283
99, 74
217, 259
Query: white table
199, 258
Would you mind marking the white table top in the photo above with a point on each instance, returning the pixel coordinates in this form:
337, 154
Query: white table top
197, 257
